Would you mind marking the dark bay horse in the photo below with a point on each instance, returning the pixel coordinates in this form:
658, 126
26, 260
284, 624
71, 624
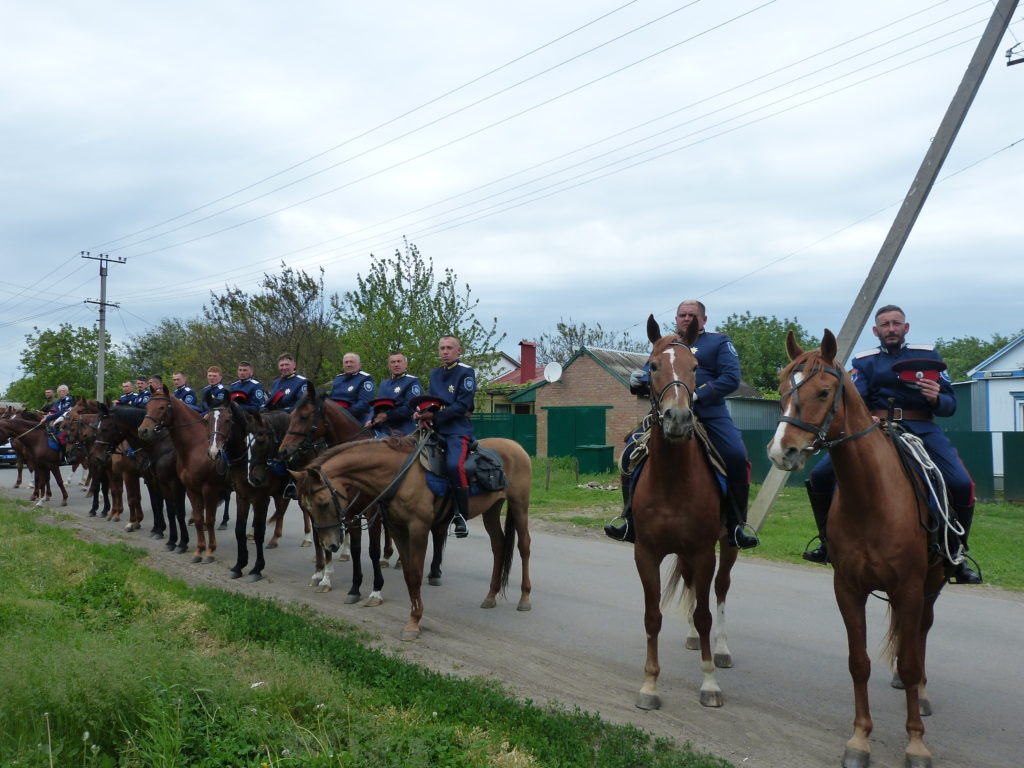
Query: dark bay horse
875, 534
316, 423
204, 484
677, 511
328, 485
231, 433
117, 436
80, 427
28, 435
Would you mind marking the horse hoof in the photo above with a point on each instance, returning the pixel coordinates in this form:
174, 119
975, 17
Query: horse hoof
254, 577
648, 701
322, 588
398, 565
156, 535
222, 527
64, 503
235, 574
925, 707
306, 543
91, 514
693, 643
181, 549
197, 559
723, 660
434, 581
711, 699
410, 634
208, 559
352, 599
170, 546
488, 603
856, 758
918, 761
344, 558
373, 602
384, 564
272, 545
524, 606
896, 682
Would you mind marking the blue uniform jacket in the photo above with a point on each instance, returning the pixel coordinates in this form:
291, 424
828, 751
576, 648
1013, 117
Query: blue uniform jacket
60, 407
354, 391
139, 399
456, 385
126, 399
718, 375
248, 394
286, 391
876, 381
401, 389
187, 395
220, 392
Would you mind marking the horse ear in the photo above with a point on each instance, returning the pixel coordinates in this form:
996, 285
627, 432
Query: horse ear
104, 409
311, 390
829, 346
689, 336
653, 330
793, 348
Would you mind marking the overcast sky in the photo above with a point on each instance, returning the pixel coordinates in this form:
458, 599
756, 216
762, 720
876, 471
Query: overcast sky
591, 160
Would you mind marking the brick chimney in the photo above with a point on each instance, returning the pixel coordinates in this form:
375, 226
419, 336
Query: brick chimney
527, 361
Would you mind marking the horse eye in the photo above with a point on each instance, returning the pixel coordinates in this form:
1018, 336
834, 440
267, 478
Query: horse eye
654, 367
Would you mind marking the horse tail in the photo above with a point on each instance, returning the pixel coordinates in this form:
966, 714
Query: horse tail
891, 644
508, 548
672, 583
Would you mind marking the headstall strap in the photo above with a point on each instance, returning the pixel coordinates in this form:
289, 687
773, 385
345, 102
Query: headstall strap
820, 432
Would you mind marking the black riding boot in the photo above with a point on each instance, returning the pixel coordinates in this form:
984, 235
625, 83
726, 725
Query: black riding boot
820, 502
964, 574
735, 504
461, 498
624, 531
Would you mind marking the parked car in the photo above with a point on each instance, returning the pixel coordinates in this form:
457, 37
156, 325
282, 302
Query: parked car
8, 458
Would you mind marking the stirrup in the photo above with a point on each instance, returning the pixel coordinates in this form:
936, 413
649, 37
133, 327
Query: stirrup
622, 532
291, 491
817, 555
739, 531
459, 523
964, 574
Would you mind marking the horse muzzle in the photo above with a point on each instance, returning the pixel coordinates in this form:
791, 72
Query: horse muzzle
677, 423
789, 458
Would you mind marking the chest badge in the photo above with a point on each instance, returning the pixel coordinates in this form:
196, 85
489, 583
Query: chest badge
451, 388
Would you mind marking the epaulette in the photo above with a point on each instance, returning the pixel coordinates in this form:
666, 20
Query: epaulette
929, 347
868, 353
463, 365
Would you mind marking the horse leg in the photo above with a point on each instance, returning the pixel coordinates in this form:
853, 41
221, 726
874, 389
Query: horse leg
180, 497
723, 580
280, 507
241, 521
105, 490
355, 535
492, 524
703, 574
906, 616
412, 546
307, 530
133, 492
197, 502
518, 510
156, 505
649, 569
60, 484
389, 548
260, 508
851, 606
438, 537
373, 537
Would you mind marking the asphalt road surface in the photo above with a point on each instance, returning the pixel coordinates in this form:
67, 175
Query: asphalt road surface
788, 699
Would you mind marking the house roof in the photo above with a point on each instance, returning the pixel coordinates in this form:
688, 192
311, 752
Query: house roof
619, 364
978, 371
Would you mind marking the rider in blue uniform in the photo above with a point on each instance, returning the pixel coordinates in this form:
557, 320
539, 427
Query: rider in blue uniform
288, 388
183, 391
453, 383
55, 415
399, 389
246, 391
916, 401
128, 394
353, 388
215, 385
142, 393
718, 375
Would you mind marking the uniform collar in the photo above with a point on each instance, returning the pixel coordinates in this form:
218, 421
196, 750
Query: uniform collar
885, 349
450, 366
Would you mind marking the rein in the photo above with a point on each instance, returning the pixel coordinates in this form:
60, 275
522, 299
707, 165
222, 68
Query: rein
821, 431
656, 397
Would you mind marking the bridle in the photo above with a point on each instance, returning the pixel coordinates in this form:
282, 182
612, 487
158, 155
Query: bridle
821, 431
657, 417
317, 446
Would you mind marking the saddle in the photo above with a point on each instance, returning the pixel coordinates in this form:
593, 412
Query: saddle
484, 469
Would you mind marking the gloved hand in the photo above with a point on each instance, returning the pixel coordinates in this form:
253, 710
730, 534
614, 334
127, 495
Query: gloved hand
636, 379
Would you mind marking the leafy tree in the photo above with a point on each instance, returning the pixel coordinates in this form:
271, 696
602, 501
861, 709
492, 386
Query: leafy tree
402, 306
760, 341
963, 353
65, 355
172, 345
569, 337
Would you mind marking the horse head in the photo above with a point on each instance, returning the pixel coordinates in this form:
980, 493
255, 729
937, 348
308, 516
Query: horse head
261, 447
303, 425
325, 502
159, 414
673, 375
811, 395
224, 422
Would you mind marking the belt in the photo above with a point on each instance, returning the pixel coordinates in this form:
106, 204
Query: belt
899, 414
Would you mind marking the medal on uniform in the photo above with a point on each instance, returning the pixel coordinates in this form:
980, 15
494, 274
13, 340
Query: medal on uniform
694, 350
451, 389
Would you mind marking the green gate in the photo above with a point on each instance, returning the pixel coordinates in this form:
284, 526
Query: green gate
1013, 466
521, 427
573, 427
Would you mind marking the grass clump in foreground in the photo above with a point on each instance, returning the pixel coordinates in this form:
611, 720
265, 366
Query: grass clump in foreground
107, 663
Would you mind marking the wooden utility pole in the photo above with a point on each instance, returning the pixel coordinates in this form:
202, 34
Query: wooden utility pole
101, 342
938, 149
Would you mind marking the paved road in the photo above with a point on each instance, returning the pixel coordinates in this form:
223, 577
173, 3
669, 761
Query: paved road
788, 700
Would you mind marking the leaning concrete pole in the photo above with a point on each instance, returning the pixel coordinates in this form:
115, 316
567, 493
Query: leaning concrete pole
905, 218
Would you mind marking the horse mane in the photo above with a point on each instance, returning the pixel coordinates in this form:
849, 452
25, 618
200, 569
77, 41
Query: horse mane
129, 414
402, 444
813, 362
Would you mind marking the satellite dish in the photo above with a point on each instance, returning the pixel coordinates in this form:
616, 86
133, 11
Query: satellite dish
552, 372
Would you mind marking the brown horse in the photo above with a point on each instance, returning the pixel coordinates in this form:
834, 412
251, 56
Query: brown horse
80, 428
388, 474
28, 436
875, 535
677, 510
204, 484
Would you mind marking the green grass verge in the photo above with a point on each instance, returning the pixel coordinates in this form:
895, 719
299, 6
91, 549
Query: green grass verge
107, 663
998, 527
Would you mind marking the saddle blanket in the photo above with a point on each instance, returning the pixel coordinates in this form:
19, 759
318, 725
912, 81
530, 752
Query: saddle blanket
439, 486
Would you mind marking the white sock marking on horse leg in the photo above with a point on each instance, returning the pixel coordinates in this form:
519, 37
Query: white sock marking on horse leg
721, 639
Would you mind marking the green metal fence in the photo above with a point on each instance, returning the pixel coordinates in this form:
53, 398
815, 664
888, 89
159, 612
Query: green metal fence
521, 427
1013, 466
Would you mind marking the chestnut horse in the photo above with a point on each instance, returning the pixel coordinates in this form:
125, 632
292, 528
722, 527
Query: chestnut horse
80, 427
28, 436
387, 474
677, 505
875, 534
204, 484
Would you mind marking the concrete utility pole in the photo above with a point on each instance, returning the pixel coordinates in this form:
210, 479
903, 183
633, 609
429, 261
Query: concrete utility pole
939, 148
101, 347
